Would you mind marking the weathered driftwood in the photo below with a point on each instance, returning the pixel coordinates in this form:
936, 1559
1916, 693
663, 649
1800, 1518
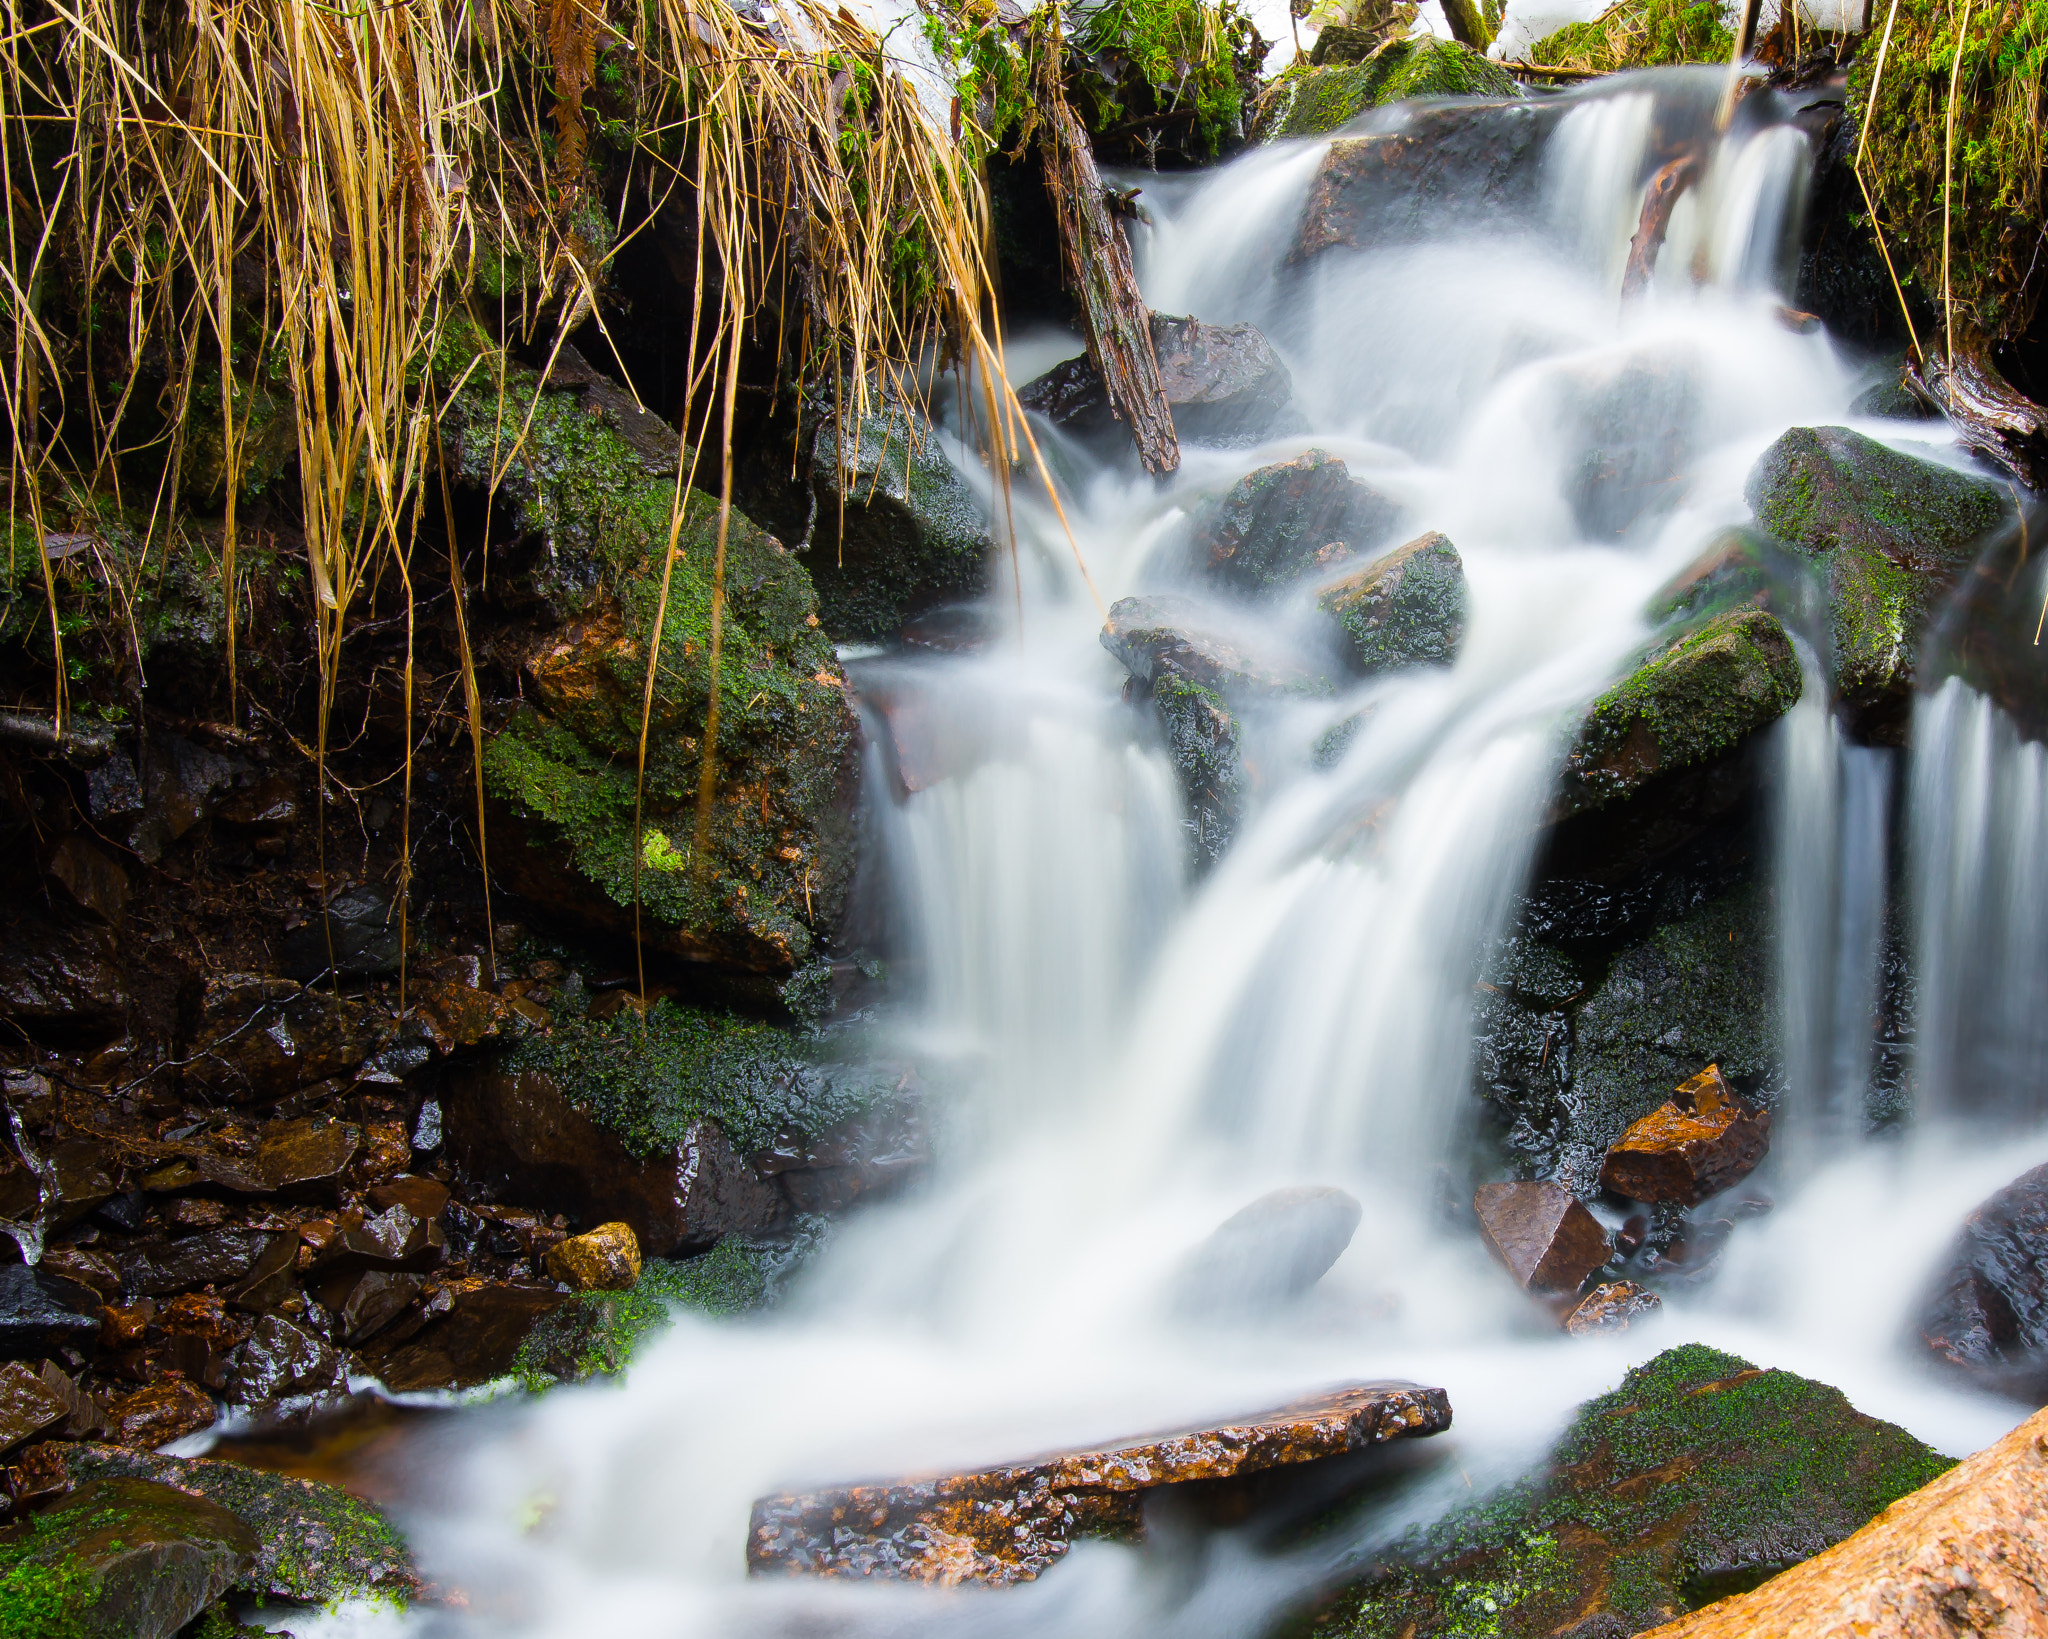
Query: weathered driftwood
1114, 317
1995, 418
1655, 222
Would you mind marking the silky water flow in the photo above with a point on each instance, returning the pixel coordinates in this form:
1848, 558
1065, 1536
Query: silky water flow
1124, 1051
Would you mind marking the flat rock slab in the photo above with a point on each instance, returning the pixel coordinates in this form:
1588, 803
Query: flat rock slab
1004, 1525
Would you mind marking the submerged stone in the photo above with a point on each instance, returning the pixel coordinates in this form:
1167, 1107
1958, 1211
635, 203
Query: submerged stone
1546, 1239
1223, 383
1699, 1476
1278, 523
1405, 609
1268, 1252
1988, 1313
1005, 1525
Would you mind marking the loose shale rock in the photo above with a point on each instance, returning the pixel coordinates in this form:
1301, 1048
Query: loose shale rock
1006, 1525
1700, 1142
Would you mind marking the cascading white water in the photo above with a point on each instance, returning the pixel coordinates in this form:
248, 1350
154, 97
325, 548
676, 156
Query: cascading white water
1135, 1062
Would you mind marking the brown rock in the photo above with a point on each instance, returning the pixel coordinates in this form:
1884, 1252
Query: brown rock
258, 1045
83, 1415
518, 1136
607, 1259
86, 1268
91, 877
269, 1280
1697, 1144
424, 1198
61, 982
304, 1159
158, 1413
84, 1179
217, 1258
1611, 1307
460, 1016
1549, 1242
195, 1212
374, 1301
387, 1150
472, 1343
280, 1359
1966, 1554
1006, 1525
28, 1405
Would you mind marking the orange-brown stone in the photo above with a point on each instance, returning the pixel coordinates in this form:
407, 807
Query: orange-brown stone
1699, 1142
1547, 1239
1005, 1525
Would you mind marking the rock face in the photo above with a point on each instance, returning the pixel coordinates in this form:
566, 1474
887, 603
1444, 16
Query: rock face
1702, 1141
1224, 384
1892, 534
1682, 709
1965, 1554
1456, 163
1006, 1525
1278, 523
1698, 1475
1548, 1241
1312, 99
899, 529
1988, 1314
1268, 1252
1405, 609
121, 1556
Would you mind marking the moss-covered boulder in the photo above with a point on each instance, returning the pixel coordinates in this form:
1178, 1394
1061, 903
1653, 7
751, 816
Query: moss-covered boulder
119, 1556
585, 512
1892, 536
1279, 522
1639, 34
1310, 100
1699, 1477
314, 1542
1405, 609
1691, 704
899, 529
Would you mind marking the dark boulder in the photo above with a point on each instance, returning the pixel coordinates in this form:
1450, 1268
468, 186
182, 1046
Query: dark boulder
1700, 1476
1224, 384
1405, 609
1271, 1251
28, 1405
121, 1556
218, 1258
1892, 536
279, 1361
61, 984
41, 1313
474, 1339
1539, 1231
1277, 524
354, 937
1988, 1313
899, 529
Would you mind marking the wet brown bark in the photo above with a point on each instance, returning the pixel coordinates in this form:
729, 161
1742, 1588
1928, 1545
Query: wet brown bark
1995, 418
1655, 222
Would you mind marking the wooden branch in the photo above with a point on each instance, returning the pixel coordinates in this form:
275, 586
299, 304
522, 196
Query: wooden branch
1114, 318
1468, 24
1655, 222
1995, 418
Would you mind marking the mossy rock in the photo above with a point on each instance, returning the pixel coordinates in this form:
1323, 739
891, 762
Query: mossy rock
1202, 742
1639, 34
1310, 101
315, 1542
1893, 535
1699, 1477
592, 514
1279, 522
1682, 709
119, 1556
899, 530
1405, 609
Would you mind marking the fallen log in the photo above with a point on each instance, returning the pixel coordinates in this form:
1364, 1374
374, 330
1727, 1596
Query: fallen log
1665, 188
1996, 420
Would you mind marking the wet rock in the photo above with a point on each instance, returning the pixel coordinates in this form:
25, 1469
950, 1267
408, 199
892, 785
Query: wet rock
1612, 1306
458, 1016
355, 937
1224, 384
424, 1198
1700, 1142
123, 1556
41, 1313
1691, 705
1203, 742
1007, 1525
1161, 637
269, 1280
1329, 91
61, 984
306, 1159
84, 1175
1277, 524
1987, 1314
607, 1259
1268, 1252
1547, 1240
1629, 432
1405, 609
256, 1045
519, 1135
1965, 1554
279, 1360
866, 1157
374, 1300
84, 1416
90, 877
158, 1413
899, 529
28, 1405
1441, 168
1893, 536
1698, 1476
315, 1542
218, 1258
474, 1340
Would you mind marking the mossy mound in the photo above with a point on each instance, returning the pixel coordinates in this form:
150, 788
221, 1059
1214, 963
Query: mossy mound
651, 1079
1406, 609
1699, 1477
1310, 101
1202, 741
1681, 709
1639, 34
592, 513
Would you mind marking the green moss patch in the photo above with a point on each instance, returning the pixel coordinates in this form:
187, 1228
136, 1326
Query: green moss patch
1698, 1477
1310, 101
1639, 34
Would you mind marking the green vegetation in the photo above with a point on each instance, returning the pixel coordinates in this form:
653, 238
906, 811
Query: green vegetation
1309, 101
1639, 34
1700, 1476
1175, 55
1957, 182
